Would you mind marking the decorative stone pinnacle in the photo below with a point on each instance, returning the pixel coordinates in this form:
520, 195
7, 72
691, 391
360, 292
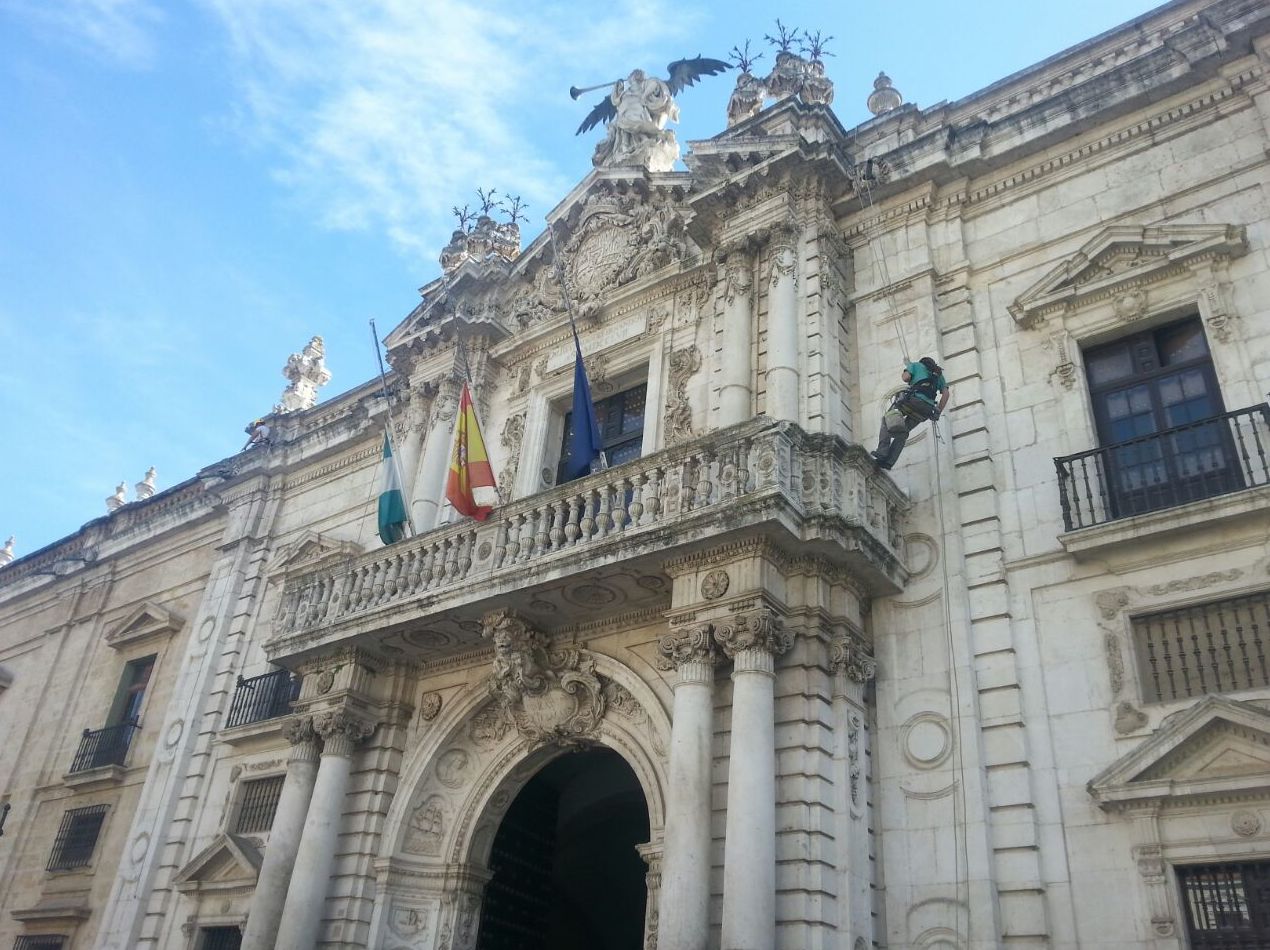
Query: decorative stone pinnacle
307, 372
691, 646
145, 487
885, 97
118, 499
6, 553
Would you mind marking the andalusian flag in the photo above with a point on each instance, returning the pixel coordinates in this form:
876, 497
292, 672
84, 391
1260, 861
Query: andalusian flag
392, 504
470, 488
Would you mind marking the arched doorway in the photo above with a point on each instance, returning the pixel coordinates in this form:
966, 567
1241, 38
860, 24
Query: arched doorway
566, 874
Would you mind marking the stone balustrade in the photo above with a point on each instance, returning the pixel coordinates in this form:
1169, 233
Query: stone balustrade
828, 494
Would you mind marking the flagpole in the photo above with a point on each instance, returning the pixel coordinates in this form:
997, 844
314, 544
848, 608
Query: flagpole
568, 308
383, 379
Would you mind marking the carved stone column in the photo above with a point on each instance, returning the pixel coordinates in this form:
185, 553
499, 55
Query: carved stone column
684, 908
736, 397
853, 667
428, 491
306, 896
284, 837
783, 373
753, 640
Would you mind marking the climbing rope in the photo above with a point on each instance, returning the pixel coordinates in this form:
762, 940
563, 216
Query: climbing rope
961, 845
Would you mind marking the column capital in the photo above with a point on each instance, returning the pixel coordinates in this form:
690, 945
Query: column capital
757, 630
848, 654
694, 645
341, 730
303, 737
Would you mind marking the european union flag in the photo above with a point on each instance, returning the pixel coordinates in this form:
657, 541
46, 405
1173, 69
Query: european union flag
585, 445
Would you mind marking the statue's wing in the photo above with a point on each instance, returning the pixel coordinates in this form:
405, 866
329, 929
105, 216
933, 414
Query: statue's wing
685, 72
604, 111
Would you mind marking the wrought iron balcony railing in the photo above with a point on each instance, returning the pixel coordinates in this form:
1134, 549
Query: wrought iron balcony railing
102, 747
1204, 459
262, 697
722, 475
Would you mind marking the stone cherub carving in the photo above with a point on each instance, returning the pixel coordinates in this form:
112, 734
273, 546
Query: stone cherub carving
636, 112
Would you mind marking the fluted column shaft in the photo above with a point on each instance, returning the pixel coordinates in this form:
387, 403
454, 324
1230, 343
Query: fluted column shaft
684, 910
428, 491
284, 838
736, 397
749, 861
783, 373
310, 880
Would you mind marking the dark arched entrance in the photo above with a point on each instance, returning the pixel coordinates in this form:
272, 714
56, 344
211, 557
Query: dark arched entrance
566, 872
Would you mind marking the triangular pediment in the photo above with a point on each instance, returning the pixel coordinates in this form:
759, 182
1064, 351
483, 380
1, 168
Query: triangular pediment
146, 622
229, 861
1217, 747
1122, 257
311, 550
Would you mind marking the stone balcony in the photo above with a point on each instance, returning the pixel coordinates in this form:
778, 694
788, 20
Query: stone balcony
595, 549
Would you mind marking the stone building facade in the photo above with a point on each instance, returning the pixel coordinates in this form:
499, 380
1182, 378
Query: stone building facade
742, 689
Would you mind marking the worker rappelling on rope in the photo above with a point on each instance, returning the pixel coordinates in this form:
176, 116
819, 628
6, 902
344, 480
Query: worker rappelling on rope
925, 396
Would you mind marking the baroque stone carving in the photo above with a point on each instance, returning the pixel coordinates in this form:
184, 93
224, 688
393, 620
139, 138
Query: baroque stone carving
306, 372
683, 365
511, 439
715, 584
1115, 662
341, 730
738, 277
746, 100
426, 827
430, 707
848, 654
695, 645
547, 695
853, 757
1196, 583
1129, 719
757, 630
299, 731
1245, 823
618, 238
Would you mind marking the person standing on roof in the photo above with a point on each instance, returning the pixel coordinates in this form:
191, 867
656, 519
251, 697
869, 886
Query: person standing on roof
924, 398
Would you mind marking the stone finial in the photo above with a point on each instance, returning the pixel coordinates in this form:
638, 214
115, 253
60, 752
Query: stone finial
145, 487
118, 499
6, 552
885, 96
307, 372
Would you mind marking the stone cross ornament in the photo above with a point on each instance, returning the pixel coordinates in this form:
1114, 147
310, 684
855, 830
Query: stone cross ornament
636, 112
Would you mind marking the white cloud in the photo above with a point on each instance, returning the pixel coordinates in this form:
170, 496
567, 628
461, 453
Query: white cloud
120, 31
388, 112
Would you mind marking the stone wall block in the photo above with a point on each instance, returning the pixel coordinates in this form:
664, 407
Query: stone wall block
994, 670
1008, 785
991, 600
1000, 704
1005, 745
992, 636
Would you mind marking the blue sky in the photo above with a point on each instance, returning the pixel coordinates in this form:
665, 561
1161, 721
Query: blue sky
190, 190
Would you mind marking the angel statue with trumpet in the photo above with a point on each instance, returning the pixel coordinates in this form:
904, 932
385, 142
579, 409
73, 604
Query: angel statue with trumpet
636, 112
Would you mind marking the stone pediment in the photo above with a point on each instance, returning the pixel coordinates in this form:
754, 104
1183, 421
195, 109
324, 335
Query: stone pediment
231, 861
1121, 260
1218, 748
147, 622
312, 550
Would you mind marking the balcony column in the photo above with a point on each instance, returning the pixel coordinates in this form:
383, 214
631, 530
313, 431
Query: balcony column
428, 493
684, 910
736, 395
783, 375
753, 641
284, 837
310, 879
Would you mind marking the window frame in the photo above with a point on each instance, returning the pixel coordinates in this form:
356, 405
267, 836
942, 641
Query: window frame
611, 437
61, 852
241, 804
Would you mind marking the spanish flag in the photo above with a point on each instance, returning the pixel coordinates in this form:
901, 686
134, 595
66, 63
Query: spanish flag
470, 488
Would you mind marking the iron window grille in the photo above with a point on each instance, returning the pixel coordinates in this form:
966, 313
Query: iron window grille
101, 747
77, 838
40, 942
1217, 647
263, 697
1227, 906
220, 938
258, 805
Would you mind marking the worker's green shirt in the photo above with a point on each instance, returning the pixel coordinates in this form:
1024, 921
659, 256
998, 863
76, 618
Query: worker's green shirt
920, 373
